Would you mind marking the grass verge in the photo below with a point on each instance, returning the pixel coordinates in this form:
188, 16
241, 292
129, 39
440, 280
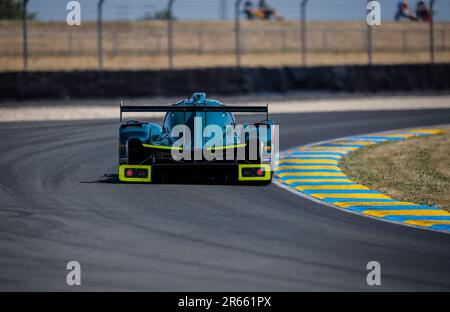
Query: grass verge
415, 170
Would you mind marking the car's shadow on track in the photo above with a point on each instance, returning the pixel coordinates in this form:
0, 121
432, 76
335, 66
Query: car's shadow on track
107, 179
114, 179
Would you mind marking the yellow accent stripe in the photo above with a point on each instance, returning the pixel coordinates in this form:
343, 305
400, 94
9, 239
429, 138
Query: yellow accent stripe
320, 147
328, 149
312, 160
369, 203
427, 131
425, 223
353, 142
312, 174
332, 187
226, 147
303, 156
162, 147
317, 180
393, 135
418, 212
307, 167
356, 195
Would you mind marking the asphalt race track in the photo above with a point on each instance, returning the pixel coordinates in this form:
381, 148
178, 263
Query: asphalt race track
60, 201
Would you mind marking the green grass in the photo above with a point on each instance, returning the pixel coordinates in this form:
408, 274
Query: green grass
416, 170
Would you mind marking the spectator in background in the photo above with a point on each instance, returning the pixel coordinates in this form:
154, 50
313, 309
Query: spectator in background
264, 8
423, 12
403, 11
267, 11
249, 11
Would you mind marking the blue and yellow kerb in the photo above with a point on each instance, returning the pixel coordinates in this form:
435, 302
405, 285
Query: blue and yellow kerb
313, 170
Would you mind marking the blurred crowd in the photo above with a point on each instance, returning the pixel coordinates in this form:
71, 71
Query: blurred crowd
265, 12
404, 11
262, 11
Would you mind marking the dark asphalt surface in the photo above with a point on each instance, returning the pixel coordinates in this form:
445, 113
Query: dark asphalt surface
59, 203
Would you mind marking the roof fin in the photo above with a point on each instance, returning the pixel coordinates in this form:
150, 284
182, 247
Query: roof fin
199, 98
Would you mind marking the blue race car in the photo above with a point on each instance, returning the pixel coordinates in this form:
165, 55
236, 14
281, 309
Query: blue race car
198, 138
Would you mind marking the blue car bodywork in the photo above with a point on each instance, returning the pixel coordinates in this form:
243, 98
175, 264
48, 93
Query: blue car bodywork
145, 149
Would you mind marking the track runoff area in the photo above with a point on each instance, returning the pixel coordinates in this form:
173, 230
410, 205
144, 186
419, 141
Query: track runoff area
313, 171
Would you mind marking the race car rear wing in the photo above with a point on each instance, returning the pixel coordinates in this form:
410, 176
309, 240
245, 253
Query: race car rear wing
199, 108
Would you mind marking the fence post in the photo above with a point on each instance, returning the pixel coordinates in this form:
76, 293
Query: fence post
114, 49
325, 40
200, 41
404, 40
100, 33
70, 42
237, 30
432, 32
223, 9
283, 40
159, 49
170, 33
25, 34
303, 30
369, 40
